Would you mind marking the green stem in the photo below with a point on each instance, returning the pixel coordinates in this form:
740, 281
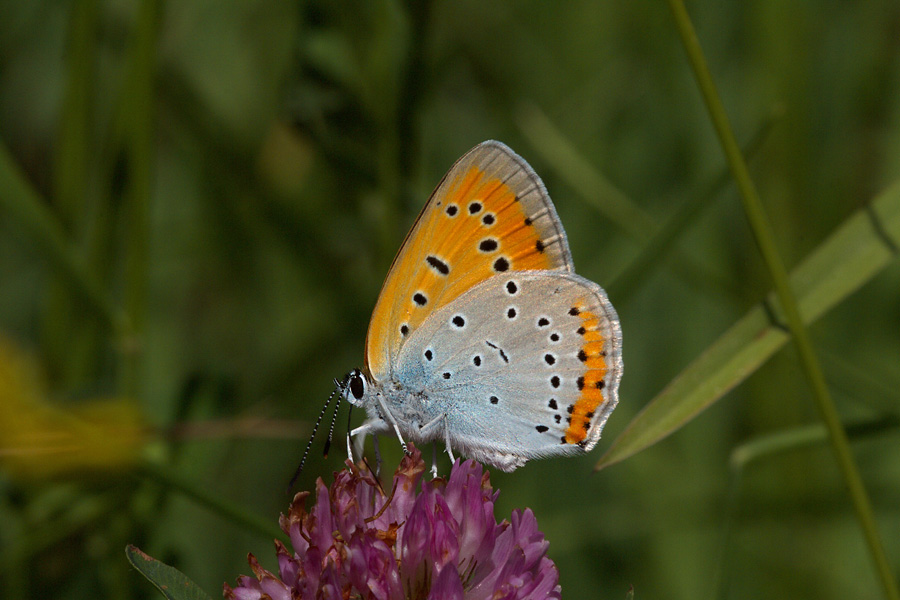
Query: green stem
138, 124
653, 253
71, 158
212, 501
765, 240
70, 342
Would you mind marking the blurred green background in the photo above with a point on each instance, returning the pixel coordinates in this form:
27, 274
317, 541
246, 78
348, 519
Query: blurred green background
233, 178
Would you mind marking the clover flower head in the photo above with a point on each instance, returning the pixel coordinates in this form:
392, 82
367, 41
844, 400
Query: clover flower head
436, 539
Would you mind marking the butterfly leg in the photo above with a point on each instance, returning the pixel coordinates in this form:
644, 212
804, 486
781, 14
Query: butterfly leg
377, 455
358, 436
359, 442
434, 422
434, 471
447, 441
430, 424
390, 418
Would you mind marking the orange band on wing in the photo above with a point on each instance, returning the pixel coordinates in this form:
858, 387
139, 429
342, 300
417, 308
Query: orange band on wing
591, 383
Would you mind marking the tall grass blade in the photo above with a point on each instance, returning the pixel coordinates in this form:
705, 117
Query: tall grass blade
864, 245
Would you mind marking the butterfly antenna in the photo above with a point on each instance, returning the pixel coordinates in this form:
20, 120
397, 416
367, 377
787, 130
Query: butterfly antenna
338, 388
331, 427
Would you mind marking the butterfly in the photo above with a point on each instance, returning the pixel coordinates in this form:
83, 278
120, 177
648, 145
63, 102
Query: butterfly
483, 337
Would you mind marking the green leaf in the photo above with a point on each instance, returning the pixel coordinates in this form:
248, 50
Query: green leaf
794, 438
865, 244
170, 581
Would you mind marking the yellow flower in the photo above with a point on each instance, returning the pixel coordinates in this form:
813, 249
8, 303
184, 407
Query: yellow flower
39, 440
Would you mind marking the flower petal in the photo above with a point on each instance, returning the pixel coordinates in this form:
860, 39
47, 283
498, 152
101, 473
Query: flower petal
441, 543
447, 585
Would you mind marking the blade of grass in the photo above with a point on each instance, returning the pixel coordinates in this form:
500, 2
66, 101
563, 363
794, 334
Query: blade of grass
766, 446
595, 189
850, 257
765, 240
70, 342
796, 438
71, 157
138, 117
599, 193
40, 225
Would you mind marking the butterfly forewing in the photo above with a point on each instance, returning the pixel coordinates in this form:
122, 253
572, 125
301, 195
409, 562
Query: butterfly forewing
489, 215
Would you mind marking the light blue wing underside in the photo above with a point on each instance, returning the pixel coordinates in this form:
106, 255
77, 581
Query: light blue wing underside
496, 371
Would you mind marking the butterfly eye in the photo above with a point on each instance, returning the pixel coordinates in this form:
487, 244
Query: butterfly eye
357, 385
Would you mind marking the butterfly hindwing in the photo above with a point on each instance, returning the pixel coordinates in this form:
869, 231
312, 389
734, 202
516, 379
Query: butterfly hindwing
489, 215
524, 365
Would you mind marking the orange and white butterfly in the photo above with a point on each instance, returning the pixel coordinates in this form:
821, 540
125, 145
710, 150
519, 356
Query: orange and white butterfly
483, 336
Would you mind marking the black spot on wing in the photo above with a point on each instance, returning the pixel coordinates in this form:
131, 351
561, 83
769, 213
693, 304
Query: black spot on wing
488, 245
499, 351
438, 265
